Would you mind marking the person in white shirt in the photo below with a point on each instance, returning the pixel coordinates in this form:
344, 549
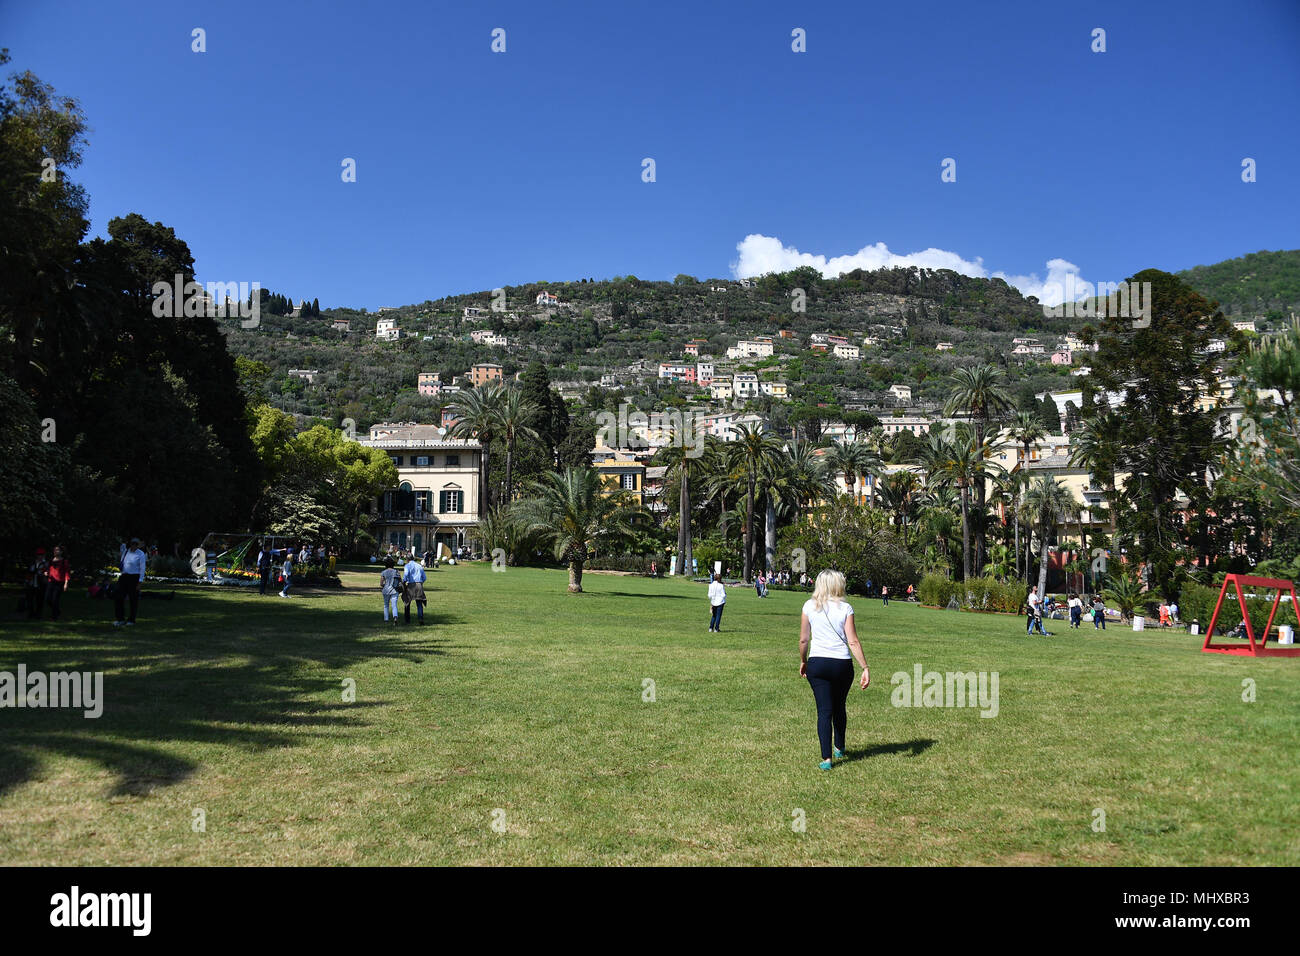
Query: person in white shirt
828, 645
128, 583
1035, 616
1173, 612
717, 601
1076, 611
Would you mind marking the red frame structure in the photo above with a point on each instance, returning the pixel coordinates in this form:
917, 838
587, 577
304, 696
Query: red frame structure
1260, 648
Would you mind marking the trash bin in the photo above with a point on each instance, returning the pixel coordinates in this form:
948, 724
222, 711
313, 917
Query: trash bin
1139, 623
1196, 628
1285, 634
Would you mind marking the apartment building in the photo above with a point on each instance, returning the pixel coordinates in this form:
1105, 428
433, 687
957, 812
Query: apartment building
483, 373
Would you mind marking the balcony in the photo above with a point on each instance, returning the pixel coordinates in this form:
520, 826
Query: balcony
421, 517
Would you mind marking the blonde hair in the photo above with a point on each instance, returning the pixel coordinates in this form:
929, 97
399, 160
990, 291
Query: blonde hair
829, 587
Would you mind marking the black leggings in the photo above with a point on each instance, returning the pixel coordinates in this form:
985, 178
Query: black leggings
831, 679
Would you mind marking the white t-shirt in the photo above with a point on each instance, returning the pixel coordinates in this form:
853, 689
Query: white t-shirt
1034, 600
717, 594
827, 627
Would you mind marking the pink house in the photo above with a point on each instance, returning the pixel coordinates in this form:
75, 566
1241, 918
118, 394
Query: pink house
1063, 357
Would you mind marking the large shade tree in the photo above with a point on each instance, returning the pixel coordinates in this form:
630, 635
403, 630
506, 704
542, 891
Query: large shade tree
1163, 365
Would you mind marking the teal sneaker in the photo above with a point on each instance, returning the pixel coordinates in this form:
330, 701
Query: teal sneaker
837, 754
825, 765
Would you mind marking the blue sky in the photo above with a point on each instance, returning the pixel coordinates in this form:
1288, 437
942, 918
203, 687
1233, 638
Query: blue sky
477, 169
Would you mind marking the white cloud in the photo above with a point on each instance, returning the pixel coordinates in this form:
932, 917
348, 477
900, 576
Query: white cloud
761, 254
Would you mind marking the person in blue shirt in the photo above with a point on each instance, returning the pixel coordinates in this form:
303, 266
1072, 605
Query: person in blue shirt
413, 578
128, 584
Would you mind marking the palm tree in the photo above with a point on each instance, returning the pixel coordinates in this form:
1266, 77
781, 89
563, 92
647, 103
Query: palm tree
1000, 563
1125, 589
980, 392
789, 480
1096, 446
513, 413
1016, 484
476, 417
852, 459
965, 462
571, 511
1026, 428
899, 493
755, 452
684, 460
1050, 503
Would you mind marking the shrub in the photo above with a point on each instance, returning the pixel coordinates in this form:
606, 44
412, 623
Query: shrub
990, 594
1196, 603
935, 590
853, 540
637, 563
168, 566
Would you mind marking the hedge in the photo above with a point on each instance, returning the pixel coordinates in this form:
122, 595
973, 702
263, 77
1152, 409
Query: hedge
979, 594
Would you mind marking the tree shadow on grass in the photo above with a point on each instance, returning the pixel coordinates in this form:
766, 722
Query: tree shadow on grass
206, 668
913, 747
650, 596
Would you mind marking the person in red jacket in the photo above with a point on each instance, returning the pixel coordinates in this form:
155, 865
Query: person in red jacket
58, 574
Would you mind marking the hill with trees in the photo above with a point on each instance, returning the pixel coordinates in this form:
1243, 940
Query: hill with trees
1264, 284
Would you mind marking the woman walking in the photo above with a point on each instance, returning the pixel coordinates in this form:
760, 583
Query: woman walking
389, 581
828, 645
717, 601
286, 570
1098, 613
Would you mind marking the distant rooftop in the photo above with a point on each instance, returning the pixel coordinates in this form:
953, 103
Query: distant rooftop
413, 435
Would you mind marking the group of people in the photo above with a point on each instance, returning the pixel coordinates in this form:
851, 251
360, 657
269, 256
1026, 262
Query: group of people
283, 563
408, 584
1036, 608
1168, 613
46, 581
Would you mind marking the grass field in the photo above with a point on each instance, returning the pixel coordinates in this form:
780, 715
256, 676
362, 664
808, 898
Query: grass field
513, 730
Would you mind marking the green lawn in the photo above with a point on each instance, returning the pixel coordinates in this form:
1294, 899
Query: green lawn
524, 699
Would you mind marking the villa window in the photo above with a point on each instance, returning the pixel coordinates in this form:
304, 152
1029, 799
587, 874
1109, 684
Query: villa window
629, 482
421, 461
450, 502
397, 460
453, 461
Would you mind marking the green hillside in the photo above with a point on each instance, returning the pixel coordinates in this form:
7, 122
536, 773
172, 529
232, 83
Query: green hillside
608, 326
1263, 284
